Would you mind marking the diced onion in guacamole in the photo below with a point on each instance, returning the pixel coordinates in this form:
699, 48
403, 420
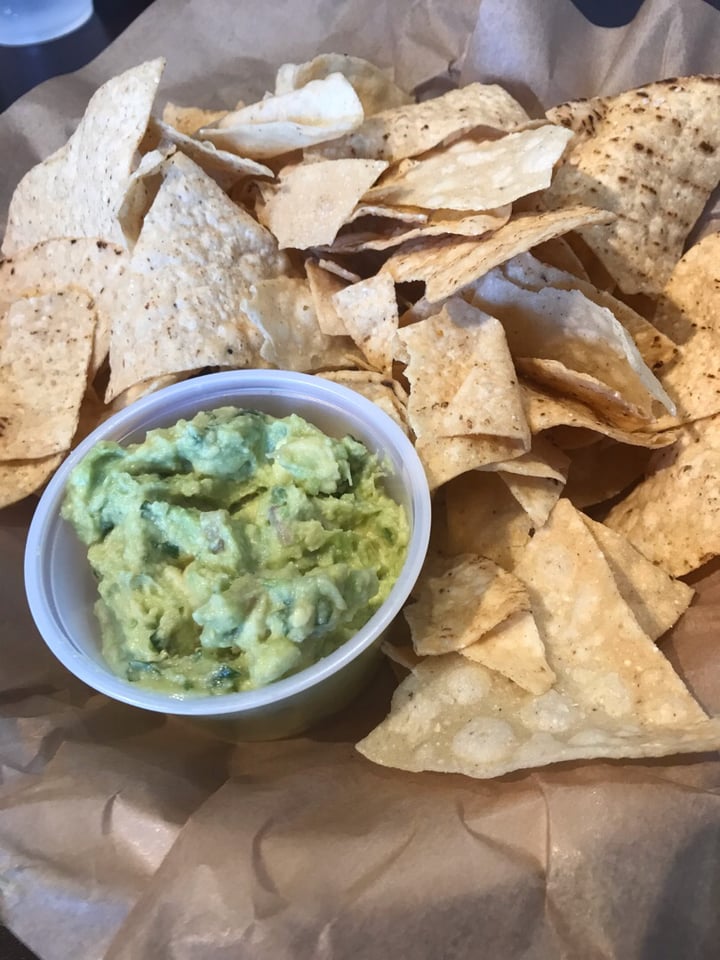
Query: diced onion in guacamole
233, 549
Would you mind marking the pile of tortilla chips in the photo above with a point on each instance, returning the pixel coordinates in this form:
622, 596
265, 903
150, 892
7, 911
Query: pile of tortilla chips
511, 290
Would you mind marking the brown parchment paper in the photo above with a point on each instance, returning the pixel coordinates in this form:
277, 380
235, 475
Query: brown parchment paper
128, 835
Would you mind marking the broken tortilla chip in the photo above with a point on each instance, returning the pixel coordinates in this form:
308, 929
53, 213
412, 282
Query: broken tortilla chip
368, 311
462, 377
311, 201
40, 407
459, 600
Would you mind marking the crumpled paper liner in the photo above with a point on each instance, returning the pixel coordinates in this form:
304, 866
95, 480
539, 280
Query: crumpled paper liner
125, 834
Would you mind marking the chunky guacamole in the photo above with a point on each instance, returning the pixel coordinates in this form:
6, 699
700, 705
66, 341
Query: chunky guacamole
233, 549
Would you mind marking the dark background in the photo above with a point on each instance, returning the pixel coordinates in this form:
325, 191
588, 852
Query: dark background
22, 68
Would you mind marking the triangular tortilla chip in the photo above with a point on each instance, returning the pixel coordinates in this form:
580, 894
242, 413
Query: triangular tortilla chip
536, 495
324, 284
446, 457
383, 391
554, 323
448, 264
545, 410
657, 599
514, 649
482, 516
652, 156
82, 185
192, 267
454, 716
673, 516
656, 349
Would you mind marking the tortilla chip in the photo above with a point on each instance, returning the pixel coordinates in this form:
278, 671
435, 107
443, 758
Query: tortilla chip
458, 601
641, 154
311, 201
40, 406
615, 693
381, 234
224, 167
471, 175
673, 516
372, 85
324, 284
368, 311
657, 599
446, 457
544, 411
188, 120
483, 517
689, 312
587, 389
544, 459
559, 254
192, 267
403, 132
20, 478
454, 716
463, 379
656, 349
78, 191
92, 265
319, 111
514, 649
536, 495
282, 308
383, 391
563, 325
448, 264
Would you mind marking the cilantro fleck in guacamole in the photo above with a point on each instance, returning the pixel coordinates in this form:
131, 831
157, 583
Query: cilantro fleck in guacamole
233, 549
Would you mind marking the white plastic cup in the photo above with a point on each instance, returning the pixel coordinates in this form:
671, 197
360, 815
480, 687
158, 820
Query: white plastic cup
61, 588
36, 21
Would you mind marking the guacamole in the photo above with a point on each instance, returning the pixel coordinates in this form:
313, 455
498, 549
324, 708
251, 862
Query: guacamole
233, 549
